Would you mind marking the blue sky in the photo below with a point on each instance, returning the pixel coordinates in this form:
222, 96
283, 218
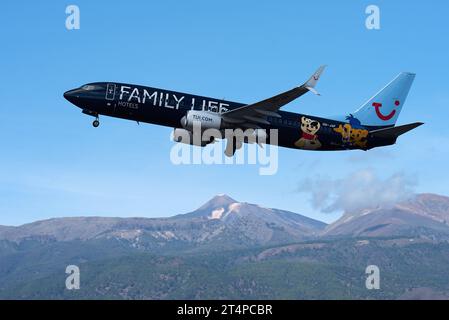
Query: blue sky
54, 163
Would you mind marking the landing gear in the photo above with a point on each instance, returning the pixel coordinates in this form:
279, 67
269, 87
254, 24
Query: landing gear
96, 122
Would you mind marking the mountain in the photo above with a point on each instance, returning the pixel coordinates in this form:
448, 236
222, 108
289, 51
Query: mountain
222, 222
224, 208
233, 250
244, 221
227, 223
424, 215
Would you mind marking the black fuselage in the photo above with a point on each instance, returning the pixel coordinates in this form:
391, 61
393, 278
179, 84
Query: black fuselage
167, 108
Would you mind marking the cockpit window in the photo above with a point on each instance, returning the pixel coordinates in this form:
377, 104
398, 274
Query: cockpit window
90, 87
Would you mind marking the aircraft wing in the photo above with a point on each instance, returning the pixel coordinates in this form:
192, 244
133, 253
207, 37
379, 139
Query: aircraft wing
257, 112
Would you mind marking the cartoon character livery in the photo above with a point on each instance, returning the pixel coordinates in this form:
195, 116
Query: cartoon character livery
372, 125
373, 122
353, 134
309, 138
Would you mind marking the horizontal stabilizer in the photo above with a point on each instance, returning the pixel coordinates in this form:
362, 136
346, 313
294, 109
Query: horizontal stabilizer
394, 132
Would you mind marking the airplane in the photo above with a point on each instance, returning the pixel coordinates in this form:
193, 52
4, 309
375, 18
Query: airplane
370, 126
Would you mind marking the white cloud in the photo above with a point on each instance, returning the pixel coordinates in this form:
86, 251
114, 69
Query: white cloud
362, 189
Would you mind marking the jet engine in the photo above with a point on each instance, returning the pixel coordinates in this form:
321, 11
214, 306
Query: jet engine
206, 119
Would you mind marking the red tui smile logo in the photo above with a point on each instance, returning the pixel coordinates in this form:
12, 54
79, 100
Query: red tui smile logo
381, 116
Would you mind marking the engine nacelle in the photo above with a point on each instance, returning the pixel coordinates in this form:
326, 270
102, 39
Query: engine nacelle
186, 136
206, 119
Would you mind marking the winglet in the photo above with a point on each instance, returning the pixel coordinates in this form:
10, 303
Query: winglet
311, 83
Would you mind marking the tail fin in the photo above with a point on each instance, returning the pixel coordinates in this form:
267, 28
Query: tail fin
383, 109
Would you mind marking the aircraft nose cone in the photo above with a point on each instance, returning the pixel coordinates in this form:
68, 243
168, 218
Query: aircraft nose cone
70, 96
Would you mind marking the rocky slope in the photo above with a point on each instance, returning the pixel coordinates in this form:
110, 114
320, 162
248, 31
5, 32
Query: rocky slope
425, 215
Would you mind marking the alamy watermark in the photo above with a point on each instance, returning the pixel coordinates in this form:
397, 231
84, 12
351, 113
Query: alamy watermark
372, 21
226, 147
72, 21
72, 282
373, 280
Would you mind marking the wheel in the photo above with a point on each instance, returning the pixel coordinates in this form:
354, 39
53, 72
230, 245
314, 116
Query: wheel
96, 123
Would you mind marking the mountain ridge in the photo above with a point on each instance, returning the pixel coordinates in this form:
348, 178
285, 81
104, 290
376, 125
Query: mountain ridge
422, 214
221, 219
224, 219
